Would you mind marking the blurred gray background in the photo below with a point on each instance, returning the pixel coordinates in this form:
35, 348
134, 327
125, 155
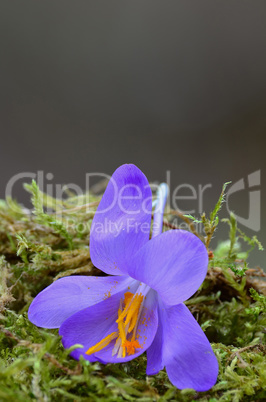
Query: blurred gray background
167, 85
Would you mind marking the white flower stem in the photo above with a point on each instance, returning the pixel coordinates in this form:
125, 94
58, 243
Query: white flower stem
162, 194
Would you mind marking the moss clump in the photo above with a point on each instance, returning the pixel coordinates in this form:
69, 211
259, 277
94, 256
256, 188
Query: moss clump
37, 248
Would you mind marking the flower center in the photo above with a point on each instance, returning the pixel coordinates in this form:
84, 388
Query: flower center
129, 313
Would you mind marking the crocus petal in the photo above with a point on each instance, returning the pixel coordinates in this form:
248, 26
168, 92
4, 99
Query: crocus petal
68, 295
155, 352
91, 325
183, 349
121, 224
173, 263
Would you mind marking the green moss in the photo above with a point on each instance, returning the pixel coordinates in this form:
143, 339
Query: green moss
38, 248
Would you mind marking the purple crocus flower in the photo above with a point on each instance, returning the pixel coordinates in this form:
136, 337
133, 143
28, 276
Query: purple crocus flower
139, 306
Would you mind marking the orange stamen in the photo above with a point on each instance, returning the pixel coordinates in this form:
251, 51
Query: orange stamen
102, 344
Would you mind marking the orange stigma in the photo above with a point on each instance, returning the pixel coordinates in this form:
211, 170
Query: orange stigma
131, 346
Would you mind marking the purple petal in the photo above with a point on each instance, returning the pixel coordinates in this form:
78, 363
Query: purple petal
155, 353
121, 225
87, 327
185, 352
91, 325
68, 295
173, 263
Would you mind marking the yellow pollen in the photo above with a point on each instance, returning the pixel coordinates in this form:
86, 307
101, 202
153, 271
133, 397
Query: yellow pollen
128, 297
102, 344
134, 311
131, 308
107, 294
